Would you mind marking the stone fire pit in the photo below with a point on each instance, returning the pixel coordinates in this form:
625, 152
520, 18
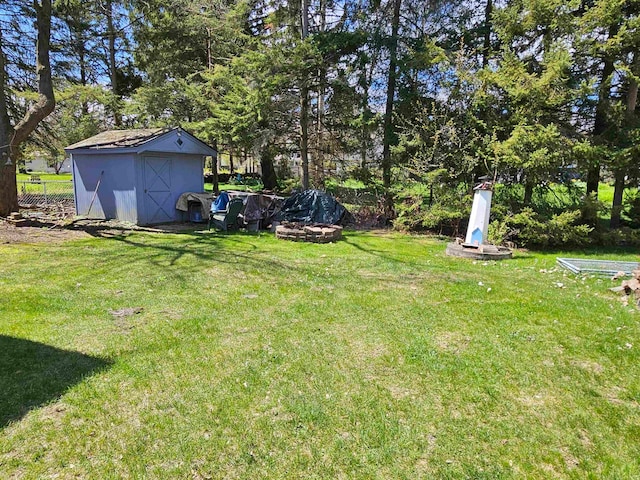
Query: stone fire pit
298, 232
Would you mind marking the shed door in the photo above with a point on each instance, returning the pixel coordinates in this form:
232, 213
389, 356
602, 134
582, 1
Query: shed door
158, 200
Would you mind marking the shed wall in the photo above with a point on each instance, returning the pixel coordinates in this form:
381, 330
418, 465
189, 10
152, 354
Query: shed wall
116, 197
186, 175
179, 143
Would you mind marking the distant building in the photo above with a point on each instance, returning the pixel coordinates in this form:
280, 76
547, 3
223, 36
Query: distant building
40, 164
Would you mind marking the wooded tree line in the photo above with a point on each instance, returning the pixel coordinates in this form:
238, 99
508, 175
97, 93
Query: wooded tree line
531, 92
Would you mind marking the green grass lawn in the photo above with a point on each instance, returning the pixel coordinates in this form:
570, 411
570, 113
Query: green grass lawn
375, 357
208, 187
25, 177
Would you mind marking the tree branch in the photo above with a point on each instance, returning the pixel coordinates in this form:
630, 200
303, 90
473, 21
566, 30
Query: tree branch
46, 101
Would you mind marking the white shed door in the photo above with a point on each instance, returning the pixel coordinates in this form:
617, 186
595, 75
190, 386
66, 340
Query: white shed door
157, 189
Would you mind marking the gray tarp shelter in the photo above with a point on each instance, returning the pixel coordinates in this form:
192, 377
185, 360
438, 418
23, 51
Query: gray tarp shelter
137, 175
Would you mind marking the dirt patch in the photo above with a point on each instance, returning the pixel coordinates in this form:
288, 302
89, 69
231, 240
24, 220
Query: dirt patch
126, 312
366, 351
44, 230
10, 234
452, 342
589, 366
570, 460
399, 392
54, 413
615, 395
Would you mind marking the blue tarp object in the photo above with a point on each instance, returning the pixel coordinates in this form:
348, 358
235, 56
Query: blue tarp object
220, 204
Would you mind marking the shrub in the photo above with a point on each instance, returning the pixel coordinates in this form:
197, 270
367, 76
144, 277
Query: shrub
631, 209
288, 185
528, 228
547, 200
445, 214
621, 237
500, 232
591, 210
223, 176
362, 174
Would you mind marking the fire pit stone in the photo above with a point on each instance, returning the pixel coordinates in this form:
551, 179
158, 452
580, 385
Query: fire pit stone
299, 232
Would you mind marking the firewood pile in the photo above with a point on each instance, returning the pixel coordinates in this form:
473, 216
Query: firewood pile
630, 288
18, 220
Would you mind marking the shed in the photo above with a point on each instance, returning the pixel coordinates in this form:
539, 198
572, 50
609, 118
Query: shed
137, 175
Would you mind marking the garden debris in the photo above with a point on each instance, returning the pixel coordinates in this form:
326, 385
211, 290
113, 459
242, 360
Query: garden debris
630, 287
17, 219
126, 312
618, 275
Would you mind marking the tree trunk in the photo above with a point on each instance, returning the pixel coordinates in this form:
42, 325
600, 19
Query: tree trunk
528, 193
113, 70
214, 168
8, 187
486, 47
304, 135
600, 121
620, 171
388, 113
322, 73
12, 137
304, 106
618, 190
319, 138
209, 53
82, 64
269, 179
364, 133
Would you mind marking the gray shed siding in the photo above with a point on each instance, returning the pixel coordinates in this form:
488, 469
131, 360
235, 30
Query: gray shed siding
185, 175
139, 183
168, 143
116, 196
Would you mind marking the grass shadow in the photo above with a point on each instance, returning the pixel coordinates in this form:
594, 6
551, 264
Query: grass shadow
33, 374
183, 240
383, 254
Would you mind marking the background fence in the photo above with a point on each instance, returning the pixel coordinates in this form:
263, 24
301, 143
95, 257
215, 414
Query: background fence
45, 193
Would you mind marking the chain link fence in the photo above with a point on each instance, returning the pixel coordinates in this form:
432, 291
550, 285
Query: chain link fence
40, 193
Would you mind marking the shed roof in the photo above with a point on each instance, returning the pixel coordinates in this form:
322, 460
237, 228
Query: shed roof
143, 140
120, 138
